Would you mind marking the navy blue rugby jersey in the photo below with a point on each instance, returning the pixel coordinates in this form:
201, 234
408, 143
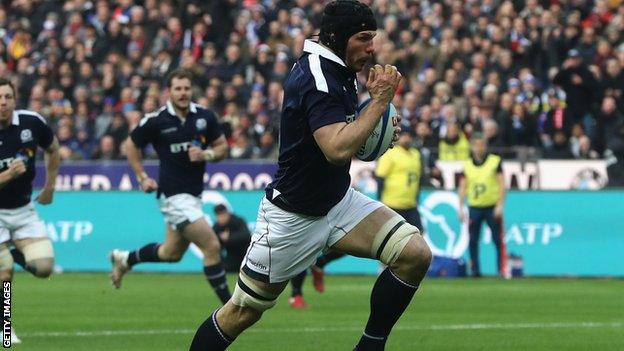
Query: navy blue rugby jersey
27, 131
171, 137
319, 91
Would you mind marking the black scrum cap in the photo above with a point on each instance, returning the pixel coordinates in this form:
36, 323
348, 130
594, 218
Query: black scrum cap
342, 19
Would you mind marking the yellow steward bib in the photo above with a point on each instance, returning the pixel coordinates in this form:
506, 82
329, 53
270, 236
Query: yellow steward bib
482, 182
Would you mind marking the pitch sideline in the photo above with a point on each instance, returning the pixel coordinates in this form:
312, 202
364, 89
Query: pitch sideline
442, 327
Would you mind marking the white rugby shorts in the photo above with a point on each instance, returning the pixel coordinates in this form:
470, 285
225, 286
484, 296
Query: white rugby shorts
21, 223
284, 243
181, 209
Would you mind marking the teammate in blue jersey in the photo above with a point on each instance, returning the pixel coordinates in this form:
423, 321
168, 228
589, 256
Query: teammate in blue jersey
22, 132
310, 206
185, 137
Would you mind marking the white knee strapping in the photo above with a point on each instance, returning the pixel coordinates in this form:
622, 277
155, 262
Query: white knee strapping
391, 239
38, 249
248, 294
6, 260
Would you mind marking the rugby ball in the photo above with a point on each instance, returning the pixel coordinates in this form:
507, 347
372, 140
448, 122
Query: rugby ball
380, 139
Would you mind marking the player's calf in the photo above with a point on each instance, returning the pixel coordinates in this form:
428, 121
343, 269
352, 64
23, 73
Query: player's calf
249, 301
398, 245
170, 255
6, 264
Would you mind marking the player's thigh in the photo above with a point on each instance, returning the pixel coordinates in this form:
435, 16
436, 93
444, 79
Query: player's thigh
359, 240
180, 210
38, 254
33, 241
381, 234
283, 244
200, 233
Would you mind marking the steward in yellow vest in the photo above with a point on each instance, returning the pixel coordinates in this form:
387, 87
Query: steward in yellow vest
482, 183
398, 175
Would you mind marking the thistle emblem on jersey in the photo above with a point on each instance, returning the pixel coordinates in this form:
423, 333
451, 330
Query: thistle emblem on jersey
26, 135
200, 124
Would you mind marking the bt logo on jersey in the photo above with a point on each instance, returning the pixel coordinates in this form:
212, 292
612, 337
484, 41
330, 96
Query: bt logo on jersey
179, 147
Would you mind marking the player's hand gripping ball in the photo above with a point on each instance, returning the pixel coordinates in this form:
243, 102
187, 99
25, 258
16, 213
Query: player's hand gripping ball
382, 137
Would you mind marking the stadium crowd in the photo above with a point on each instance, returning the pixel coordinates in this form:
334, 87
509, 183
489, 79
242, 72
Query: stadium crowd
543, 74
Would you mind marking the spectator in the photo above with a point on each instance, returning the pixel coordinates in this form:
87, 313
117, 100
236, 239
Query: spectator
584, 149
613, 81
241, 148
557, 118
560, 148
580, 87
520, 128
464, 54
491, 134
106, 150
610, 118
267, 148
454, 146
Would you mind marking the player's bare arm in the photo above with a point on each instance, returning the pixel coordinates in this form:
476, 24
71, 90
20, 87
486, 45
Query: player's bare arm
340, 141
217, 151
135, 157
52, 162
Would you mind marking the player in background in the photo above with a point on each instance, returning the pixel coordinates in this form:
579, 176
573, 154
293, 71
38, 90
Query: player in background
185, 137
483, 185
21, 133
310, 205
398, 176
296, 299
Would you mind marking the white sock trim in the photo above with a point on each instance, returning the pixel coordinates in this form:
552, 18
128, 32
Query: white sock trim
415, 287
374, 337
214, 321
218, 275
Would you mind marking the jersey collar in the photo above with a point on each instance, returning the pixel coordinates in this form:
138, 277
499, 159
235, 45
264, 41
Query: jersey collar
315, 48
15, 118
171, 110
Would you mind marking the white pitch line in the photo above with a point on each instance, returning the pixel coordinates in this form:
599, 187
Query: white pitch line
442, 327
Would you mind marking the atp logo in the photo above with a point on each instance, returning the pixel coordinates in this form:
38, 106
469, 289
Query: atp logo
439, 216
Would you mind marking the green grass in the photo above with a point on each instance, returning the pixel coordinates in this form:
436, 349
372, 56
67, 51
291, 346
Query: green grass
161, 312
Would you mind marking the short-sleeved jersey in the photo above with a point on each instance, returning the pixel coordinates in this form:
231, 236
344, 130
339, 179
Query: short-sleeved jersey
400, 168
319, 91
171, 137
27, 131
483, 188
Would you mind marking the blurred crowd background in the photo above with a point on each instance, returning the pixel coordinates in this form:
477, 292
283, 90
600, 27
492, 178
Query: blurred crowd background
540, 78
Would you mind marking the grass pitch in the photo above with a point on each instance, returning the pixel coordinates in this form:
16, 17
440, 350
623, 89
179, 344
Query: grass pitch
161, 311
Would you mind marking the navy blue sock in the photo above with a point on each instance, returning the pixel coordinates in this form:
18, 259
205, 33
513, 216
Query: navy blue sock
210, 336
148, 253
215, 275
389, 299
297, 283
18, 257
